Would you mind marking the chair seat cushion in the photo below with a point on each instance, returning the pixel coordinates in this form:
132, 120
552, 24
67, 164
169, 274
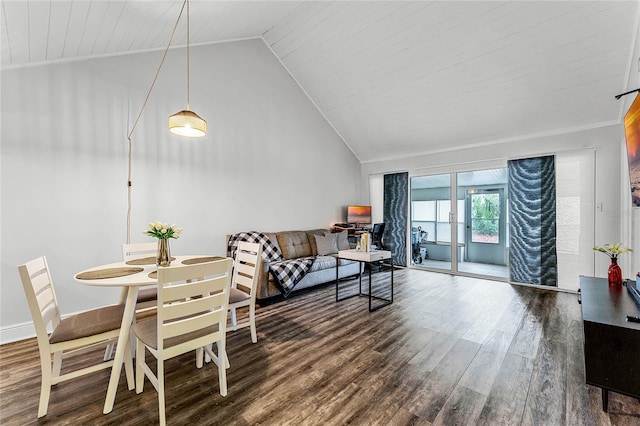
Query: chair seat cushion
88, 323
147, 332
147, 294
236, 296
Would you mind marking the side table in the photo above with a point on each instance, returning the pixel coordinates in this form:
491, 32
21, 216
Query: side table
611, 342
365, 257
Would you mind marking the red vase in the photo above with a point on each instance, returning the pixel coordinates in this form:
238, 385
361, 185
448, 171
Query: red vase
615, 273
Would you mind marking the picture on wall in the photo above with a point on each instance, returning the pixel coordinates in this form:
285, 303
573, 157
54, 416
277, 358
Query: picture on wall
632, 133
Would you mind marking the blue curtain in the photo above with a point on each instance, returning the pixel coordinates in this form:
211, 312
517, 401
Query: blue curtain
532, 217
396, 190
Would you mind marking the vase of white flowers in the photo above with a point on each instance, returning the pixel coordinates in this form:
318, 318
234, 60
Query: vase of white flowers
614, 273
163, 257
163, 231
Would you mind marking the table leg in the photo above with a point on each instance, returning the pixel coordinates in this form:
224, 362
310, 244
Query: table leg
391, 261
121, 349
386, 301
369, 265
605, 399
337, 263
338, 299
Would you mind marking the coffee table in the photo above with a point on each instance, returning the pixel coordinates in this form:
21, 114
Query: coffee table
365, 257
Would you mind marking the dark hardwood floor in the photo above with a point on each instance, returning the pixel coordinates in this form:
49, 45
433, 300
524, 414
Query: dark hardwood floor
448, 351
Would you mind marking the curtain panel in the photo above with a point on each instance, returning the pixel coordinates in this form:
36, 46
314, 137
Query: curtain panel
532, 218
396, 190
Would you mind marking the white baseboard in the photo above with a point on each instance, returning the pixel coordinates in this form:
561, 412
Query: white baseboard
16, 332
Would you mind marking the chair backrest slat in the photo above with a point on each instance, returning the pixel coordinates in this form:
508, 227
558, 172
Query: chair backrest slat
192, 324
188, 307
180, 291
243, 281
40, 280
51, 315
138, 250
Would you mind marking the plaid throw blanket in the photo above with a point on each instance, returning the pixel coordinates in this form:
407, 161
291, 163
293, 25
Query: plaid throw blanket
287, 273
270, 251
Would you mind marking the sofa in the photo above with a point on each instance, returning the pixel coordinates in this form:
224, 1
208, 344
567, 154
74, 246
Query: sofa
299, 244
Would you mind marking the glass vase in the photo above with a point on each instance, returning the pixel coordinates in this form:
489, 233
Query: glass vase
163, 257
615, 273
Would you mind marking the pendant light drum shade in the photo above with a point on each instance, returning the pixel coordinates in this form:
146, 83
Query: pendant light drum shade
187, 123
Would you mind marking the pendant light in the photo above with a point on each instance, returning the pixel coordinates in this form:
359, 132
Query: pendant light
186, 122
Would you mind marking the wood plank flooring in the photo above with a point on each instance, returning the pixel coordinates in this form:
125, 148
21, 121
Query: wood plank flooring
448, 351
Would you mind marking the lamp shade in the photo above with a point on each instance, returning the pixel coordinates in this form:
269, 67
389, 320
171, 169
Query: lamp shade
187, 123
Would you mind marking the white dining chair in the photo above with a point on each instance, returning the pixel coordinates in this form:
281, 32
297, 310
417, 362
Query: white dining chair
136, 251
146, 295
71, 335
191, 314
244, 286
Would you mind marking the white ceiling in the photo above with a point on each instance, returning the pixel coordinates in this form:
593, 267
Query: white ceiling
394, 78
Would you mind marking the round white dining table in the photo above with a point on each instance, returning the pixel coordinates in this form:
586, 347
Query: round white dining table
130, 275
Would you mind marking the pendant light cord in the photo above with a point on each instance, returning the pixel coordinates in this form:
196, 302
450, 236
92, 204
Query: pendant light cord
188, 67
144, 104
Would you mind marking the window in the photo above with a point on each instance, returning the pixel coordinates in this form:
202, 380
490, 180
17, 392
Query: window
433, 217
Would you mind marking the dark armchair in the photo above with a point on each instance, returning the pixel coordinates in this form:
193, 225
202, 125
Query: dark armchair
376, 235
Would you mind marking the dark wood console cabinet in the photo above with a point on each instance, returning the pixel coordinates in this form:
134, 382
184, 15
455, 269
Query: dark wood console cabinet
611, 343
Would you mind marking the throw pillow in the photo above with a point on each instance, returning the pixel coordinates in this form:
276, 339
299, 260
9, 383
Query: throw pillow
326, 244
342, 240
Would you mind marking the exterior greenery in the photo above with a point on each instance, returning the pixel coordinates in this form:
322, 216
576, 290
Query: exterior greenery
485, 211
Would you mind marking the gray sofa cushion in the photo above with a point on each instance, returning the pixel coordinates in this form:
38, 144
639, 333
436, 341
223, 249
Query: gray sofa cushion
294, 244
312, 240
326, 244
342, 239
323, 262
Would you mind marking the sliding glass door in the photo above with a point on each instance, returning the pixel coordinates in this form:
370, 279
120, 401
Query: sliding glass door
431, 230
469, 235
479, 221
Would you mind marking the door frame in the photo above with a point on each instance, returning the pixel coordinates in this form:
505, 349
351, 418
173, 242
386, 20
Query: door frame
479, 252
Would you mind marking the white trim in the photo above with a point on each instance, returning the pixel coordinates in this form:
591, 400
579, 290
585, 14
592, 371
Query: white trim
463, 166
310, 98
111, 55
16, 332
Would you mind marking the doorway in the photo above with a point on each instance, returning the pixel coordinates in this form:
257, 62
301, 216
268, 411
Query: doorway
485, 226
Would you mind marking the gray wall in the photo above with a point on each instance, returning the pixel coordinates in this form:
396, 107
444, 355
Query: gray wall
269, 162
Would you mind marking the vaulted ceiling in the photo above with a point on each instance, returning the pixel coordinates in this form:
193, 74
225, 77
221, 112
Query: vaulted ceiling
394, 78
